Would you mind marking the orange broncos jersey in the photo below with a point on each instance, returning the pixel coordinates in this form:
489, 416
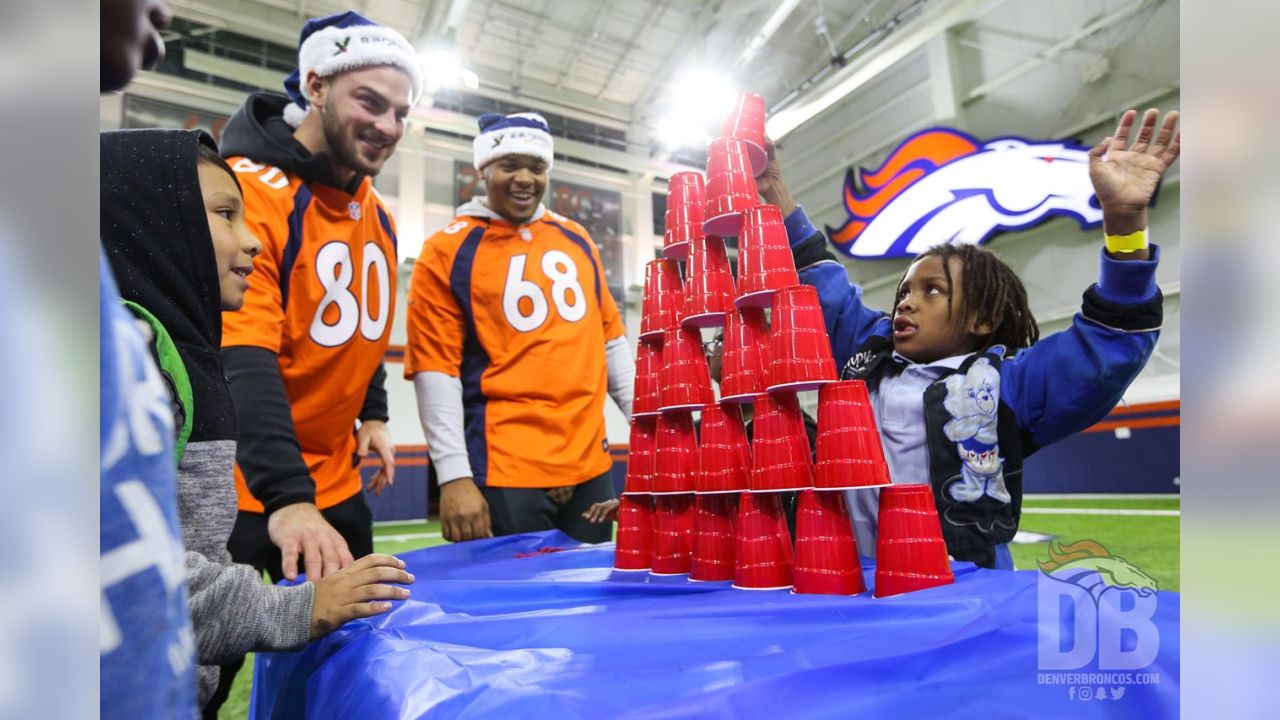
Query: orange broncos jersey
522, 316
320, 297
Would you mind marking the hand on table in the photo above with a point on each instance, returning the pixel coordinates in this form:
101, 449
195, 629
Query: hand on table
357, 591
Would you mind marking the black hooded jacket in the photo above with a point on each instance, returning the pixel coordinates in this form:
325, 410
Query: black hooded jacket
157, 240
269, 453
155, 233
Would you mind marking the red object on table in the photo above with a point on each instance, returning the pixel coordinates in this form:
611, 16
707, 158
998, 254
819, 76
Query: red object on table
634, 547
765, 263
799, 348
910, 552
672, 534
686, 203
762, 558
731, 187
713, 537
826, 551
780, 456
849, 452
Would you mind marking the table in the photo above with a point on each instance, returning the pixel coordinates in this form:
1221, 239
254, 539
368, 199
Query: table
537, 625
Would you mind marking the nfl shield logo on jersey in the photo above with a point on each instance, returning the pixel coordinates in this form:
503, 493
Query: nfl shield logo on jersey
353, 210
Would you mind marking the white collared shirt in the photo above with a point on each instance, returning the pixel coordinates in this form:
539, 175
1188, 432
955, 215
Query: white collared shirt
898, 404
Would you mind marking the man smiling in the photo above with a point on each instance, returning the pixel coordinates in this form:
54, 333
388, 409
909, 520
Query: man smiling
513, 342
304, 355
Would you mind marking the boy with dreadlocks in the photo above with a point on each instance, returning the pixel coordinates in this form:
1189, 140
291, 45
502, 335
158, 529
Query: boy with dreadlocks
962, 386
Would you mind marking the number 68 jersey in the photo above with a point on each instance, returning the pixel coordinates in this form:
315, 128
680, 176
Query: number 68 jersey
521, 316
320, 297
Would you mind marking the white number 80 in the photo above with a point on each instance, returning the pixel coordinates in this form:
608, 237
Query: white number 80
335, 270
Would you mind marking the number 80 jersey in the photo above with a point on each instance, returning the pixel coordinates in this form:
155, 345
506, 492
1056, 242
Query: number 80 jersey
521, 316
321, 296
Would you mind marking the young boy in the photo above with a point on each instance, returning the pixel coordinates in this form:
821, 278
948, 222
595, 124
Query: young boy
172, 225
962, 387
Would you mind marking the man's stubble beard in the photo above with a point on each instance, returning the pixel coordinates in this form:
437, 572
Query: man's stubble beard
342, 146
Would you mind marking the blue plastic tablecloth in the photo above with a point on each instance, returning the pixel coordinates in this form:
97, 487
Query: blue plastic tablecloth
504, 628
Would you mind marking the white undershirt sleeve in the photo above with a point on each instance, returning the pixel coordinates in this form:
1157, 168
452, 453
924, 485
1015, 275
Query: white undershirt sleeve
622, 373
440, 410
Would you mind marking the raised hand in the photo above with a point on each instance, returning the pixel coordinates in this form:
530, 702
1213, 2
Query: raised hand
1125, 176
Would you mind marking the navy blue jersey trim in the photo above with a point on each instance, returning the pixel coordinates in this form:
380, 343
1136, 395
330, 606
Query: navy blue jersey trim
585, 246
385, 222
474, 359
301, 201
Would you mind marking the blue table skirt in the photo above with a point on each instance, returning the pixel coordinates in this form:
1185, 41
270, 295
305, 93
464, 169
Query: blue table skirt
537, 625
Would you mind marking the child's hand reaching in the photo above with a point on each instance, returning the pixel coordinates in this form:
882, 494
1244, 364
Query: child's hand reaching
1125, 179
357, 590
606, 511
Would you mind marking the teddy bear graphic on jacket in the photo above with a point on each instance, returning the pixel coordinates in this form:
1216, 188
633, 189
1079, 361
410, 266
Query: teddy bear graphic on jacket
972, 400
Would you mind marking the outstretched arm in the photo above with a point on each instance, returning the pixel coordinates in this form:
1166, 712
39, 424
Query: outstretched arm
1072, 379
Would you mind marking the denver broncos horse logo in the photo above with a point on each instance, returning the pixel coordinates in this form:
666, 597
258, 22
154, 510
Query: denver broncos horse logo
1091, 566
944, 186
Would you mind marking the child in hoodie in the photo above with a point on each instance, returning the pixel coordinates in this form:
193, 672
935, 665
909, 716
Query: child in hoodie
172, 225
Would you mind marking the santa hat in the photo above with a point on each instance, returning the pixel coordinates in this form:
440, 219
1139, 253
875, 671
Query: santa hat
524, 133
342, 42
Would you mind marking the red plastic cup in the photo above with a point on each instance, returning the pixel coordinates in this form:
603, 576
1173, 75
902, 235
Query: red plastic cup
663, 299
743, 362
685, 379
910, 552
709, 293
642, 457
713, 537
799, 347
780, 454
724, 453
676, 463
826, 552
762, 555
646, 400
672, 535
634, 548
746, 123
731, 187
849, 452
686, 202
765, 263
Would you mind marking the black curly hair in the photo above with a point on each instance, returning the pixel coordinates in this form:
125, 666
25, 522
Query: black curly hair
993, 295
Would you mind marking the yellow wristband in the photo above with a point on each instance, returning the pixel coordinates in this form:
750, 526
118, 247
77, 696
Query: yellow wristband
1122, 244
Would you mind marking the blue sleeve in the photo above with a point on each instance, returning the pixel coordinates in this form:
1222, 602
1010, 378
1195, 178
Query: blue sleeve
1072, 379
849, 322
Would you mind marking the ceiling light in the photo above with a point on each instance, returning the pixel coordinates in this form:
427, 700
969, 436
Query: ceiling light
699, 100
442, 69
